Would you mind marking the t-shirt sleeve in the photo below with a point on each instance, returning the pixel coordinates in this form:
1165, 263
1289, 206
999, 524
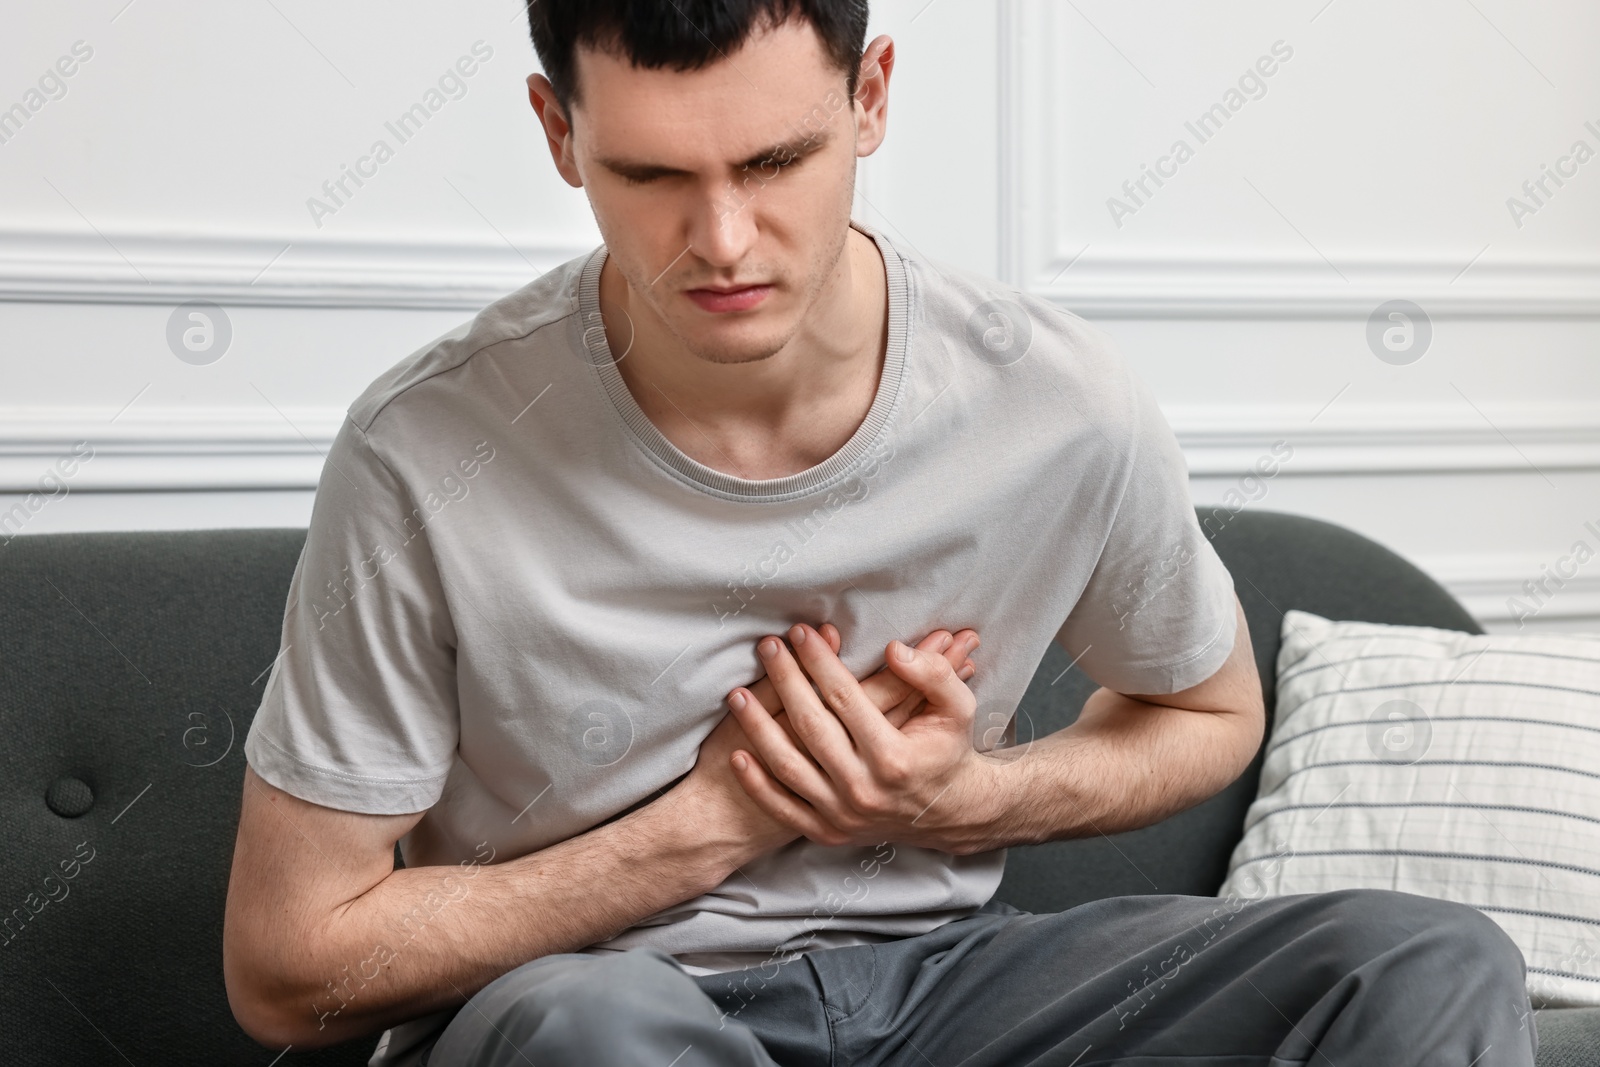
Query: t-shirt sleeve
1158, 614
360, 710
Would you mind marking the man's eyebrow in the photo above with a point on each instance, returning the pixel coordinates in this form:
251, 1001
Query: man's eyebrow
790, 151
638, 171
783, 154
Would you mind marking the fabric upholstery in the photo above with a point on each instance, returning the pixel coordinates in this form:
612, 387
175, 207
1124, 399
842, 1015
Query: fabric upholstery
1568, 1037
114, 647
127, 661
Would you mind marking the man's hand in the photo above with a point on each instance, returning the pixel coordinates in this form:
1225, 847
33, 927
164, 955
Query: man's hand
893, 695
712, 785
843, 775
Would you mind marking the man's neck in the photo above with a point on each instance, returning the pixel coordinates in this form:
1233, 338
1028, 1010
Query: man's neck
773, 417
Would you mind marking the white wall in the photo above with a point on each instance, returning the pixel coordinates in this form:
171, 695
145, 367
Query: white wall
1374, 164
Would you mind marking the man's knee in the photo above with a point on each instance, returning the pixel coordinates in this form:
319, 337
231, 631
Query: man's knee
597, 1010
611, 989
1421, 932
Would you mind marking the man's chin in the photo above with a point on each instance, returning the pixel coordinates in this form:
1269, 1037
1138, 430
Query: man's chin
733, 350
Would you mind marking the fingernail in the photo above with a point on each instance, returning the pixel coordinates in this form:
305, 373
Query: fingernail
943, 643
797, 634
965, 672
736, 700
768, 648
903, 652
971, 642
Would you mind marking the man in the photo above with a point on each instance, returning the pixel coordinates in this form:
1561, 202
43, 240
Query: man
589, 586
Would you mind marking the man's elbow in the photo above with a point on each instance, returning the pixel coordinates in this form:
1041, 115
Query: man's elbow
264, 1024
261, 1004
1252, 723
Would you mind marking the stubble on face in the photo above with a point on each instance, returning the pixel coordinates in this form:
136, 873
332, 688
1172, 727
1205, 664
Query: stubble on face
804, 228
659, 289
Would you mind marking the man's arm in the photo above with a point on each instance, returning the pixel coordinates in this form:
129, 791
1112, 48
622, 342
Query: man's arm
1130, 760
1127, 762
325, 941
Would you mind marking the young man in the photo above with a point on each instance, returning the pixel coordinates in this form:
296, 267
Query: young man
552, 551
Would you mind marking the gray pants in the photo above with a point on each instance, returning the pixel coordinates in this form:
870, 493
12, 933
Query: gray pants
1354, 978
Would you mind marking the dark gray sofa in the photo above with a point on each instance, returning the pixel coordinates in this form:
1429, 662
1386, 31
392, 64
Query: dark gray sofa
131, 665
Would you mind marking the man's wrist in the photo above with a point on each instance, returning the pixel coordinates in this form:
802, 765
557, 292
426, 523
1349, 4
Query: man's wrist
705, 848
993, 791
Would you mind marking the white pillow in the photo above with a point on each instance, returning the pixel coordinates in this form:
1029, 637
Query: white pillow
1450, 765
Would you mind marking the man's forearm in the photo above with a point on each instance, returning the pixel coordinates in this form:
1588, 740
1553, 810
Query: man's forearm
1125, 763
426, 938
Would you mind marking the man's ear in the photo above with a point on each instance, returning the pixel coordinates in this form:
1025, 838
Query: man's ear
872, 95
557, 130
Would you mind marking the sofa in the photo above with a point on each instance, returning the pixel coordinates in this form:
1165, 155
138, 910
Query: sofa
131, 665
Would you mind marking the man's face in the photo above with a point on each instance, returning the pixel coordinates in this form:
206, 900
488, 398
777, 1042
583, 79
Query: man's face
723, 194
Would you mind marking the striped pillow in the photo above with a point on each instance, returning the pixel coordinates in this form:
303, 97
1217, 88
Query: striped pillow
1450, 765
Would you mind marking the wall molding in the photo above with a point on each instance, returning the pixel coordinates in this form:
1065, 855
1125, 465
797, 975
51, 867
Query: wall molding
155, 449
242, 270
155, 267
159, 449
1008, 98
1245, 287
1378, 439
1486, 584
1196, 283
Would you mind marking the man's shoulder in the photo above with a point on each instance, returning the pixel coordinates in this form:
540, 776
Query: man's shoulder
1026, 349
519, 316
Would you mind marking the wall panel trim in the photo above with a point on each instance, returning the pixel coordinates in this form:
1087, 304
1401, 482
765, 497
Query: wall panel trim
248, 448
150, 267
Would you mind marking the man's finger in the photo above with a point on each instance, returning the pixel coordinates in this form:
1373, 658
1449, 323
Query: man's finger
826, 738
883, 687
786, 760
768, 695
904, 711
841, 694
779, 803
830, 633
932, 676
888, 690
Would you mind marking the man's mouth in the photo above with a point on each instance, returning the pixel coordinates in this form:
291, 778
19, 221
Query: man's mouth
722, 300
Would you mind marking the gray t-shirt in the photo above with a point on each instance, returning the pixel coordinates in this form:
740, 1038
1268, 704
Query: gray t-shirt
520, 607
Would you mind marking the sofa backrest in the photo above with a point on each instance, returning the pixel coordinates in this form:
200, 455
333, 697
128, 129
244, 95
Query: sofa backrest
131, 665
130, 668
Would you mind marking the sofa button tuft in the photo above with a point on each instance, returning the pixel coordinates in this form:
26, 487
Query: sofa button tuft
69, 797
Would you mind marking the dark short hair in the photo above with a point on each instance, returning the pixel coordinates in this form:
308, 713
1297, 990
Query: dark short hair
682, 34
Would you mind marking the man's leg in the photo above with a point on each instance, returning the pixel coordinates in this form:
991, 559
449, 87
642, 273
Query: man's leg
636, 1007
1353, 978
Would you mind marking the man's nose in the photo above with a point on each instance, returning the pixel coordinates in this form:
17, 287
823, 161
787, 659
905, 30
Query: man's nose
724, 230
